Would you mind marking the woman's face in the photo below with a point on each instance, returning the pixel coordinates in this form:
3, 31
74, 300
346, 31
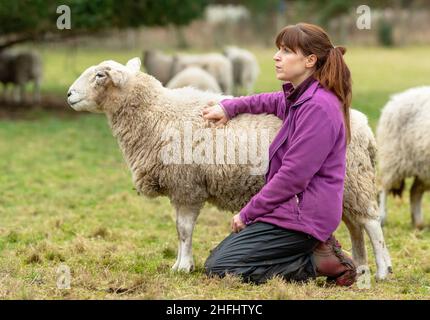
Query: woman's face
291, 66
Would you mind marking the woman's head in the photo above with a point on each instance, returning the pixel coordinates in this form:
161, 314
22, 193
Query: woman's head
304, 50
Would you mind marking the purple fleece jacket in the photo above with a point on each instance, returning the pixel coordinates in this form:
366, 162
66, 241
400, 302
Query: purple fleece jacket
307, 159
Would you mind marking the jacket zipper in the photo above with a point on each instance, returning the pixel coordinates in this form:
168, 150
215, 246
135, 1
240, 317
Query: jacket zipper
299, 198
290, 116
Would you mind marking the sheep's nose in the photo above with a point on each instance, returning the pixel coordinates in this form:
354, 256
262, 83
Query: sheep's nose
69, 93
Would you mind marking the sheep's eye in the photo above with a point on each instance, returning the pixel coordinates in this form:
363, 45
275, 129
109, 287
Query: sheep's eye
100, 75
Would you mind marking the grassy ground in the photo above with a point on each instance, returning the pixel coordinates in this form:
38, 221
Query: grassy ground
66, 197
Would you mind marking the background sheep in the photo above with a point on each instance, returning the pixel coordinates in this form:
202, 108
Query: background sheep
18, 69
214, 63
194, 77
6, 60
158, 65
404, 148
140, 111
245, 68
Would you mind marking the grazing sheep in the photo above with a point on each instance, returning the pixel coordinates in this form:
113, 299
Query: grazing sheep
19, 69
141, 113
214, 63
245, 68
404, 148
159, 65
194, 77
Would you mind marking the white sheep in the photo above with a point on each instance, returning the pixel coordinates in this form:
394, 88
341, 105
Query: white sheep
404, 148
145, 117
216, 64
245, 68
194, 77
20, 68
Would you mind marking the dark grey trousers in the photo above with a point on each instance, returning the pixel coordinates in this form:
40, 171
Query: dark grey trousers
262, 251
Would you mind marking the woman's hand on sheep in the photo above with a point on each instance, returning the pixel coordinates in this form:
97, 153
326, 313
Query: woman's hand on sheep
237, 223
216, 113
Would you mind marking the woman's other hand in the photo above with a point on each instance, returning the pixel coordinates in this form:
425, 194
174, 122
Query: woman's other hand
237, 224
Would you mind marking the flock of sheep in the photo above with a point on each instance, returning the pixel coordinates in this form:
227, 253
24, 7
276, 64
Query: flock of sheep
141, 108
232, 71
16, 70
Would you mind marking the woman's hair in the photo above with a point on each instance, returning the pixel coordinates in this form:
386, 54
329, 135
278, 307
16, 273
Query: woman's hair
331, 69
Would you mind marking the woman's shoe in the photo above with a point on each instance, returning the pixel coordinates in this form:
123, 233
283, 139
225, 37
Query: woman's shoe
332, 262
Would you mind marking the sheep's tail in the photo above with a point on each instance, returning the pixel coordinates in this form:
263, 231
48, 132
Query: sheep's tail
397, 192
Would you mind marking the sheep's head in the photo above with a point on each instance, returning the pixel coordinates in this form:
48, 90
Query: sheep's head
98, 83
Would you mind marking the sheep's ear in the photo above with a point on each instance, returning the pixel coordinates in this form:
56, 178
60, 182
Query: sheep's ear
118, 77
134, 65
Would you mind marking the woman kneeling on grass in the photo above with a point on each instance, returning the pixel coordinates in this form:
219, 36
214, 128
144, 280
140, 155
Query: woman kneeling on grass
286, 228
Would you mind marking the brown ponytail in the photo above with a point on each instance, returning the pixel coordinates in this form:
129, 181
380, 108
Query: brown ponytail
331, 70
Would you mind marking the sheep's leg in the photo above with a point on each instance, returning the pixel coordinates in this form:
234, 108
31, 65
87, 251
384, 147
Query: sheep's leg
387, 259
356, 233
416, 196
178, 256
185, 220
16, 95
3, 92
36, 92
374, 231
383, 207
22, 93
249, 88
6, 92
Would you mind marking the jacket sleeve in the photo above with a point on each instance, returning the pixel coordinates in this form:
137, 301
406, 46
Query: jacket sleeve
311, 143
272, 102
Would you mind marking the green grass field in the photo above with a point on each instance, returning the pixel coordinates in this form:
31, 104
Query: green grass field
66, 197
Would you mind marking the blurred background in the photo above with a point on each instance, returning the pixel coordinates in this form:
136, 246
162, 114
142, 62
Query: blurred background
65, 192
112, 29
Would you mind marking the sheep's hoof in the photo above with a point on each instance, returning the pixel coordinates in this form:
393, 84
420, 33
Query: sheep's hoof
419, 225
176, 265
380, 278
185, 267
382, 275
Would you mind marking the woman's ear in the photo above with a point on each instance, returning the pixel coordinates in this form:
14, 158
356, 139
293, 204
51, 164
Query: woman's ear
311, 61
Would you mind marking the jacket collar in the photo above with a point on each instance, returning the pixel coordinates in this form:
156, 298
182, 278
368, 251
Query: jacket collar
309, 86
